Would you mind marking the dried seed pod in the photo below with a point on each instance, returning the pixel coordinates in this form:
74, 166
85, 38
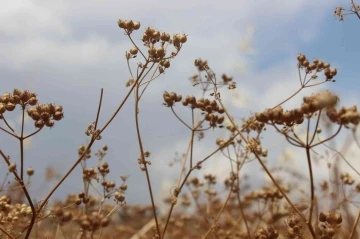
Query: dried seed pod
129, 25
2, 108
301, 58
12, 167
166, 64
134, 51
30, 171
119, 197
10, 106
121, 23
49, 123
137, 25
39, 123
33, 101
58, 115
305, 63
183, 38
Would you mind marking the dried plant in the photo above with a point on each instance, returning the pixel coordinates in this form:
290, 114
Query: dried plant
200, 205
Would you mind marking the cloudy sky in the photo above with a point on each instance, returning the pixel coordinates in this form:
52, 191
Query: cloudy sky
66, 51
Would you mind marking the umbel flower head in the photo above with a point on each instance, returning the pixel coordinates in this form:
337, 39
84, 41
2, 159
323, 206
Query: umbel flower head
42, 114
45, 114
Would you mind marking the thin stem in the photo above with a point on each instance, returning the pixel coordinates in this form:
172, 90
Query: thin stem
355, 137
124, 100
34, 214
282, 102
240, 204
143, 157
7, 124
192, 138
32, 134
152, 78
337, 132
218, 215
83, 155
99, 108
22, 144
288, 138
316, 126
12, 134
311, 185
267, 170
173, 204
172, 109
128, 34
355, 10
343, 157
353, 230
7, 234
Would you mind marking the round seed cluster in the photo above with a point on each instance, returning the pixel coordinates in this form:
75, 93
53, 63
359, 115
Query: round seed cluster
150, 38
42, 114
269, 193
171, 98
279, 116
201, 64
318, 101
128, 25
252, 125
226, 79
45, 114
294, 227
224, 143
347, 179
210, 108
81, 151
9, 101
330, 222
63, 216
344, 116
89, 174
310, 105
316, 65
93, 222
13, 213
254, 146
268, 233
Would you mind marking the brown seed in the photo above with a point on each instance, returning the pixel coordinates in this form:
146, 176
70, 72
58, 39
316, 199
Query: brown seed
30, 171
58, 115
136, 25
32, 101
49, 123
183, 38
129, 25
39, 123
134, 51
301, 58
10, 106
166, 64
121, 23
2, 108
12, 167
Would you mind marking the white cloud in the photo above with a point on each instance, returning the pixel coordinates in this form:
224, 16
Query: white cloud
92, 51
28, 18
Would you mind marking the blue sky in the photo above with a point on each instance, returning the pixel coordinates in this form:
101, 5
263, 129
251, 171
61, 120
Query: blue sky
67, 50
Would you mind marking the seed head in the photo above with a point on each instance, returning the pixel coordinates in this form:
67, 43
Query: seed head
30, 171
12, 167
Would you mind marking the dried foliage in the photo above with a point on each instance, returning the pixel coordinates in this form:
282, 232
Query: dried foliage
200, 206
